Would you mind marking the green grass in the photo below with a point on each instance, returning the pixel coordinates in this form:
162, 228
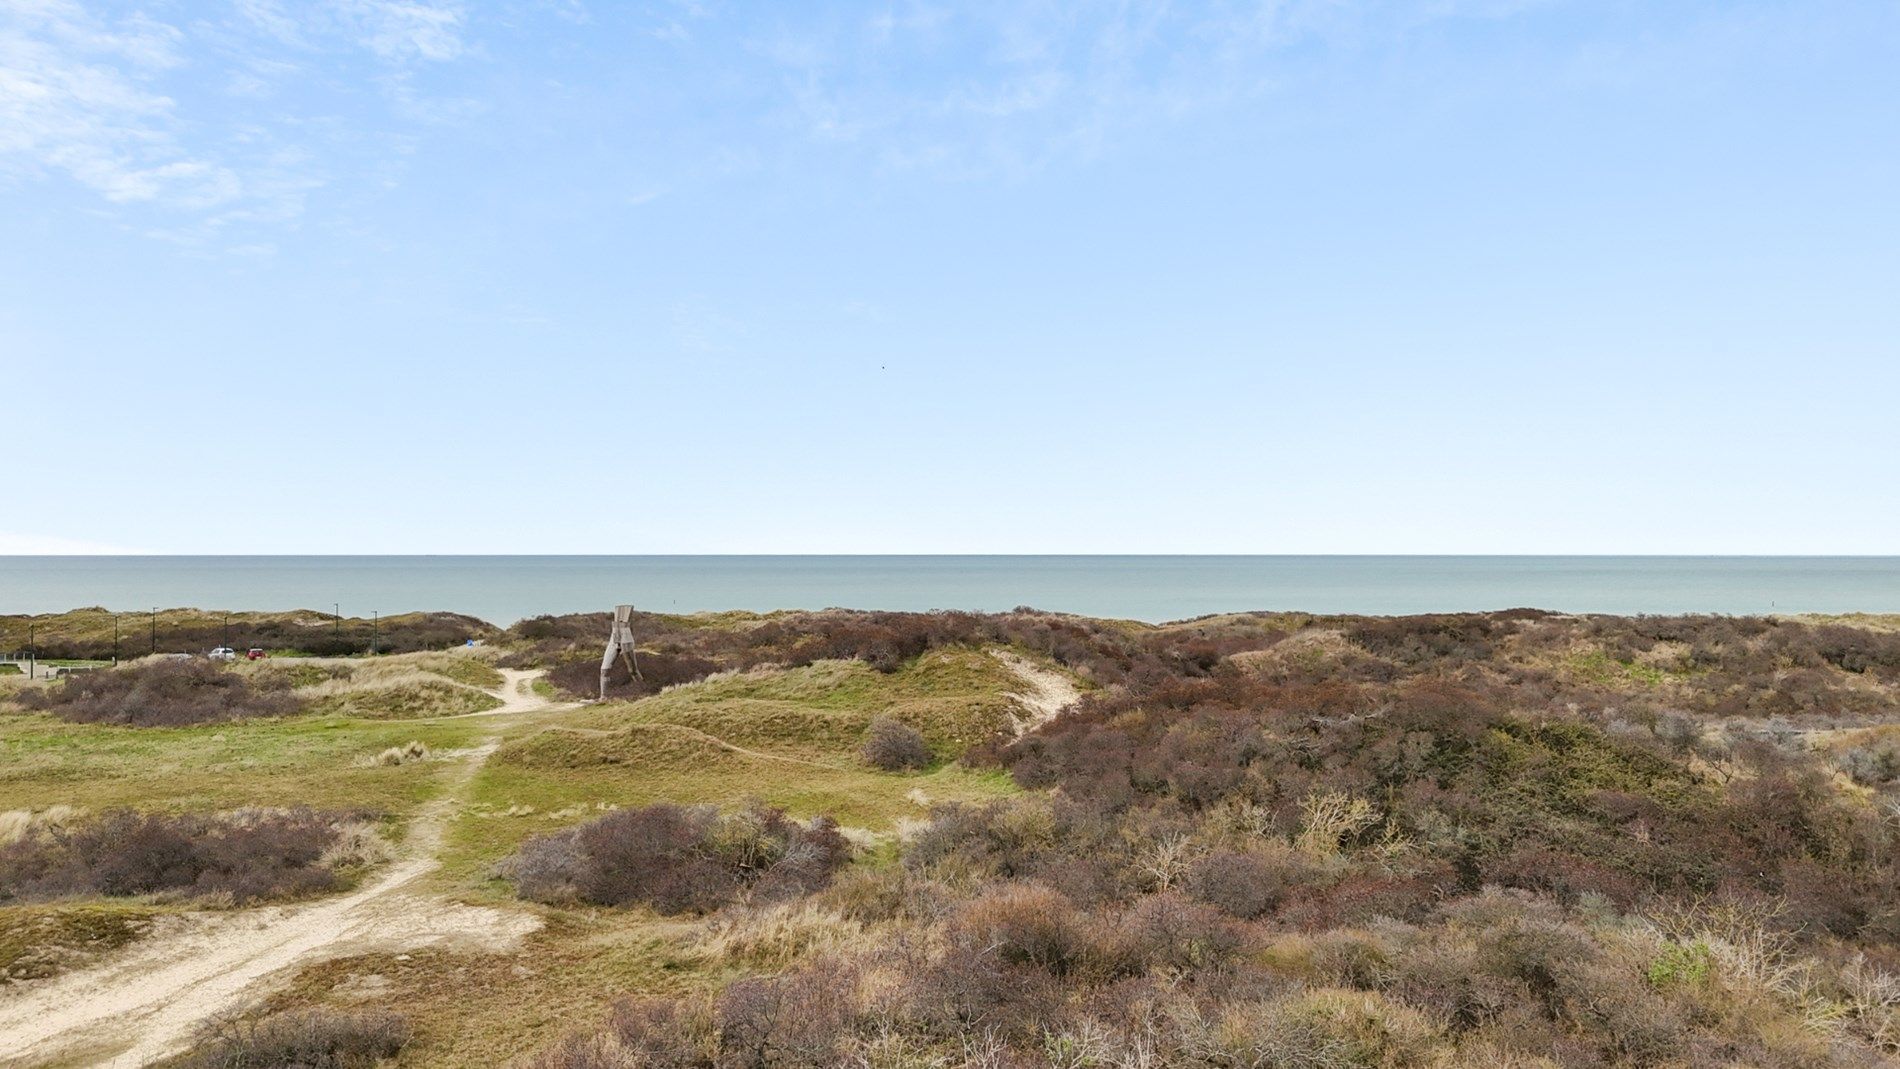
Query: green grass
1597, 666
553, 770
954, 696
805, 724
312, 761
554, 780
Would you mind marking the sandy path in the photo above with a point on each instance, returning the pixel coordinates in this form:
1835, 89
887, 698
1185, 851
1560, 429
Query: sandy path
1048, 692
148, 1001
517, 696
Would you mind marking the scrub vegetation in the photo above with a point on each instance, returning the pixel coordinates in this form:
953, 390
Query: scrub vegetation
1511, 839
241, 857
163, 693
1274, 840
175, 692
88, 634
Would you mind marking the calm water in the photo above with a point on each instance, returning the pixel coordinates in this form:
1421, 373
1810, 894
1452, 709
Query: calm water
504, 589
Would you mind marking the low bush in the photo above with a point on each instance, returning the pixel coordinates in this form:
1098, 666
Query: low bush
799, 1019
1506, 839
678, 859
163, 693
245, 856
895, 746
1242, 885
1872, 766
302, 1039
1025, 924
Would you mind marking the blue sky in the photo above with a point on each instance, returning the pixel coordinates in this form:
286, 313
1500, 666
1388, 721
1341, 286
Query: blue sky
1296, 276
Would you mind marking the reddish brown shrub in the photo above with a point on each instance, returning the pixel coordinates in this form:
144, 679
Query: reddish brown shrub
1168, 931
1243, 885
163, 693
303, 1039
895, 746
678, 859
1024, 924
249, 856
970, 990
797, 1020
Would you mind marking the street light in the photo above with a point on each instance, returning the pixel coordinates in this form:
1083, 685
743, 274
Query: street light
336, 619
115, 640
154, 629
374, 620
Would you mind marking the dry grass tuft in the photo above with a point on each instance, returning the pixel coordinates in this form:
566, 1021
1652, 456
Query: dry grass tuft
17, 824
773, 937
406, 695
402, 755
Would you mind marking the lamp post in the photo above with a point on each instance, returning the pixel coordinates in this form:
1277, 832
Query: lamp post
227, 632
115, 640
375, 621
155, 629
32, 657
336, 619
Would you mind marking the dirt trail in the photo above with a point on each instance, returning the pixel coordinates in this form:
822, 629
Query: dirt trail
517, 696
1049, 692
147, 1001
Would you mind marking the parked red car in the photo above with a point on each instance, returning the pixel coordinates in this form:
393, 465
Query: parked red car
255, 654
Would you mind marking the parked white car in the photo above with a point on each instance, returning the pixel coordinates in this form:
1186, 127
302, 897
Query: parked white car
224, 653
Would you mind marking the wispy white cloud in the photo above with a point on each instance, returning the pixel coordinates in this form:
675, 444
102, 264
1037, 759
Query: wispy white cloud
988, 87
675, 20
77, 96
406, 29
396, 30
194, 119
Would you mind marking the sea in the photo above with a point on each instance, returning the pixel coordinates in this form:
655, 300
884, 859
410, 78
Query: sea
503, 589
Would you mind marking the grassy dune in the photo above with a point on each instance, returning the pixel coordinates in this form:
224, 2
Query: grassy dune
323, 758
803, 727
326, 762
1361, 818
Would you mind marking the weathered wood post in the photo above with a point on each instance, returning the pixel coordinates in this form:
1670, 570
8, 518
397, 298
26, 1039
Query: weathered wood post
620, 643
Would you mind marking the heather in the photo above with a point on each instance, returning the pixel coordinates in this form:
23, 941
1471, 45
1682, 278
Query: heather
164, 693
241, 857
1513, 839
678, 859
840, 838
